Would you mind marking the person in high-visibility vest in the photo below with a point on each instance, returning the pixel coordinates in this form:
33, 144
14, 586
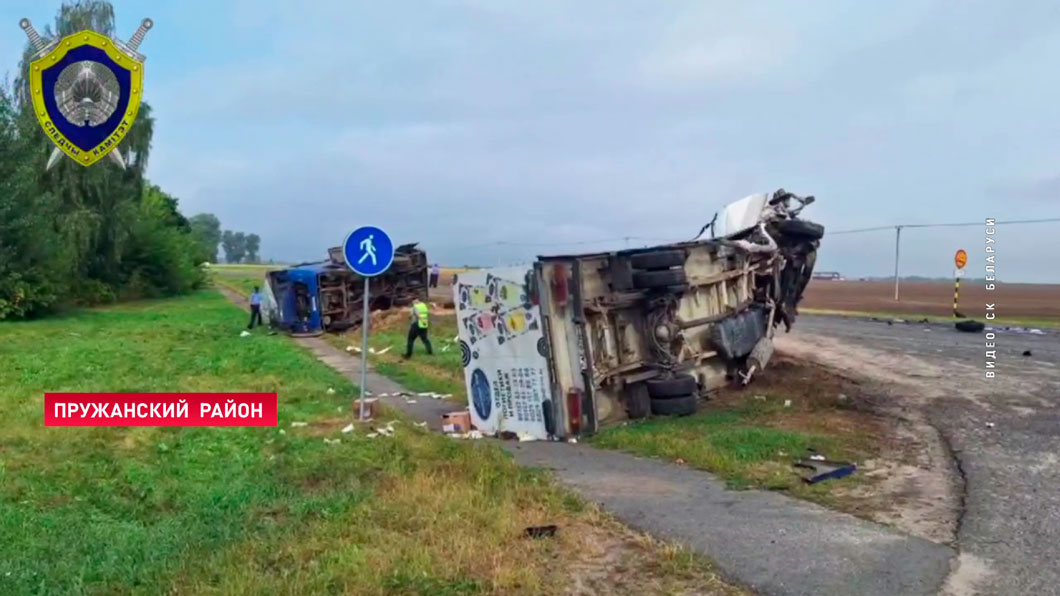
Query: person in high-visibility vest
420, 323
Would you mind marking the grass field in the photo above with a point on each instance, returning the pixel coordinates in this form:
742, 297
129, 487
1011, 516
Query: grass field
260, 511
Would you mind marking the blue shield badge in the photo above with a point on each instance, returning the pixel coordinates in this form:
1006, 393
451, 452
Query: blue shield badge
86, 91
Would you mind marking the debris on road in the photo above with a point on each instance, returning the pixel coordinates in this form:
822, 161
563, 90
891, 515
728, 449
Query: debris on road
353, 349
787, 403
990, 425
421, 424
1035, 332
332, 441
384, 350
817, 470
526, 437
1026, 352
540, 531
244, 333
347, 429
331, 391
299, 424
370, 408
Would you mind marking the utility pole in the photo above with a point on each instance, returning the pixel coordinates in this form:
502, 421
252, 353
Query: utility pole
897, 241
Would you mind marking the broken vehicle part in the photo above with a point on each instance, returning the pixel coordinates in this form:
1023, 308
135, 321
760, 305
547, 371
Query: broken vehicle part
816, 470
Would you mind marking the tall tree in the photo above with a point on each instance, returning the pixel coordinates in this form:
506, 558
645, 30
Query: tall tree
206, 229
234, 245
253, 245
82, 234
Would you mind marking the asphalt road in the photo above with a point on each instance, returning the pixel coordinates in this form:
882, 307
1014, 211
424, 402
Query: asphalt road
1004, 433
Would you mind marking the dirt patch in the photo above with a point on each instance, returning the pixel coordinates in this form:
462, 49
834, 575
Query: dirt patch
912, 483
902, 484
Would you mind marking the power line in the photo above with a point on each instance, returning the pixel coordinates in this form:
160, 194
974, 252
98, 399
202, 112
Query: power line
944, 225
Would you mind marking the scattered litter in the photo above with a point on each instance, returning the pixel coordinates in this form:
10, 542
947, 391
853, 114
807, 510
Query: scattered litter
347, 429
384, 395
508, 435
474, 434
421, 424
890, 322
926, 329
332, 441
299, 424
842, 398
331, 391
372, 435
338, 409
787, 403
572, 440
1026, 352
368, 394
899, 320
457, 338
384, 350
679, 461
454, 422
283, 432
244, 333
822, 469
760, 398
817, 457
445, 348
782, 453
350, 348
410, 401
924, 320
526, 437
540, 531
1035, 332
990, 425
371, 350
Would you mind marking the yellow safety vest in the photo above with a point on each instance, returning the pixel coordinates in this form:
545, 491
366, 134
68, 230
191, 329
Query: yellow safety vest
421, 314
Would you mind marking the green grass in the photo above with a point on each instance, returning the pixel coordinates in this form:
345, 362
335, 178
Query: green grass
253, 510
1000, 321
741, 444
240, 278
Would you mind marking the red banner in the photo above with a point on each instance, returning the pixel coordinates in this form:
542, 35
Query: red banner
160, 409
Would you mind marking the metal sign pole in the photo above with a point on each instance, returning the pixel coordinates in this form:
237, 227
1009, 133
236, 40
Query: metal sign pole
364, 345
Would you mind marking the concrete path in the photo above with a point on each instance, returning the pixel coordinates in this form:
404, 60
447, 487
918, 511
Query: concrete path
765, 541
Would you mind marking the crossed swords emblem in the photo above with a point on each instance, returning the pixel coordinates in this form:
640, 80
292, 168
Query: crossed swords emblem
86, 93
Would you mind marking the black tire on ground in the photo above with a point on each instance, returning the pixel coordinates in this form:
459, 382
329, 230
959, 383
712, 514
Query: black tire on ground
658, 279
660, 259
970, 326
801, 228
638, 402
679, 386
676, 406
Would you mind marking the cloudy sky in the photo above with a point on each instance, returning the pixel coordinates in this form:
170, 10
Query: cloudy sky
562, 126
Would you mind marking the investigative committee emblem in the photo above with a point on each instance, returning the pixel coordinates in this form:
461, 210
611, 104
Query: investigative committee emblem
85, 89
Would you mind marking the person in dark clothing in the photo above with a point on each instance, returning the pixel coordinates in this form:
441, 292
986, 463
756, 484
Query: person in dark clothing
255, 307
418, 329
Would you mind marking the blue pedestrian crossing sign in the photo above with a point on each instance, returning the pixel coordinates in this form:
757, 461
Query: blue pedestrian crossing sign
368, 251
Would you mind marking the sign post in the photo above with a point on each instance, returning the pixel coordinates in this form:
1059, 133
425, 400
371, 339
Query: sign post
960, 260
368, 252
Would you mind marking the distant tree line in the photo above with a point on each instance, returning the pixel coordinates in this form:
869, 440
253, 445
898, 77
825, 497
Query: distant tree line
77, 235
238, 246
